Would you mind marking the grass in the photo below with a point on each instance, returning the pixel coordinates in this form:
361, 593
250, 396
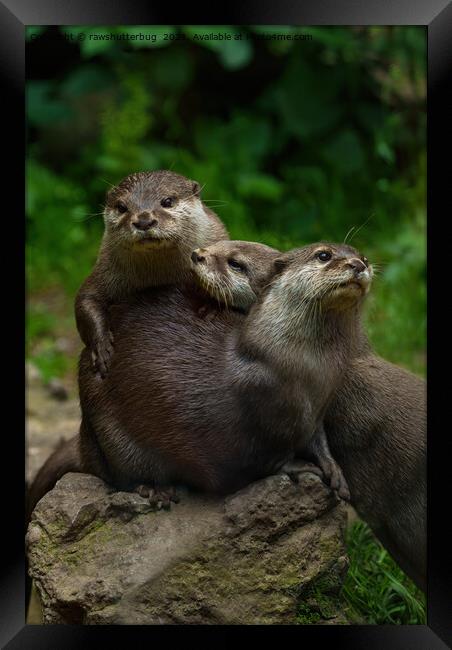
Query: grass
376, 589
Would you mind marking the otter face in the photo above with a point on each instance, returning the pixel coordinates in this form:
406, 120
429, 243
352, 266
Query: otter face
336, 276
233, 272
152, 209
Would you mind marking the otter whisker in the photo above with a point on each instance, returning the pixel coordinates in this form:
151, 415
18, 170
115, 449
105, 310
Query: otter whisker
362, 226
106, 182
348, 233
87, 216
224, 296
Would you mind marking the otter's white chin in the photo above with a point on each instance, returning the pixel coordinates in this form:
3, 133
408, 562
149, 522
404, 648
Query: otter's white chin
353, 289
147, 242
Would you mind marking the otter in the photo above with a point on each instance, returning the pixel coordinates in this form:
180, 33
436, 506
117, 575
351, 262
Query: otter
375, 424
233, 273
65, 458
179, 319
218, 404
376, 428
153, 221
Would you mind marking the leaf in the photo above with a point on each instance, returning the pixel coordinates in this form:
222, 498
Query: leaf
306, 99
174, 70
229, 43
345, 152
385, 151
260, 186
89, 78
42, 108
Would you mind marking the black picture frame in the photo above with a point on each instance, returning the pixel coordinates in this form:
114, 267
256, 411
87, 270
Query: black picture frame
436, 16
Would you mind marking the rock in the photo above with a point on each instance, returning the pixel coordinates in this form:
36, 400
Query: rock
272, 553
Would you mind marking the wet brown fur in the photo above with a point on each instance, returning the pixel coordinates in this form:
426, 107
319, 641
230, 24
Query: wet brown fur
132, 259
376, 430
233, 286
65, 458
213, 404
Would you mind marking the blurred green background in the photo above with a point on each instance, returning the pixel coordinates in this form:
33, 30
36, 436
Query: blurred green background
293, 140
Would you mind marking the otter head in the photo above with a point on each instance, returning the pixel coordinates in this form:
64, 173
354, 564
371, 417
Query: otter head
157, 209
233, 272
330, 276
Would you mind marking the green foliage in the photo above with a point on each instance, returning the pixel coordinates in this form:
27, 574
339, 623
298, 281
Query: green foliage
375, 588
60, 247
326, 135
321, 601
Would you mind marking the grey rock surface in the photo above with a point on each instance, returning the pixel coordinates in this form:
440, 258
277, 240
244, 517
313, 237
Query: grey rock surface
272, 553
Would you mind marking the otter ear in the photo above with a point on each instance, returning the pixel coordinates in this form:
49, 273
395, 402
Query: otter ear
280, 263
196, 188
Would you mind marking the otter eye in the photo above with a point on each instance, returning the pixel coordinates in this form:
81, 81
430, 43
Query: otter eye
167, 203
366, 261
236, 266
121, 207
324, 256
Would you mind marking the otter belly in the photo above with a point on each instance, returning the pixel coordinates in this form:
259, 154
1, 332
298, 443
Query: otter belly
168, 410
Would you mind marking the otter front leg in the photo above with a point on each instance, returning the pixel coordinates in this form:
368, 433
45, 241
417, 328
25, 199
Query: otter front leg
91, 316
318, 450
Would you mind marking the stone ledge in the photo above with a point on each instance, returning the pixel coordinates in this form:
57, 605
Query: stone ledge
261, 556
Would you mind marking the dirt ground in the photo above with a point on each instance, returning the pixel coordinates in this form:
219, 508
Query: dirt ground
52, 412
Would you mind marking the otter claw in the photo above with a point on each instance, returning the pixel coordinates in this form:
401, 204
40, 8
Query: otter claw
101, 355
160, 499
333, 474
142, 490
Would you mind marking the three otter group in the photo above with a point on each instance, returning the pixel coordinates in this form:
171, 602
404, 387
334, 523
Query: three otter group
214, 363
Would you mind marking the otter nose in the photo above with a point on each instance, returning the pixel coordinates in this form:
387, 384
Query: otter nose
196, 256
356, 264
144, 221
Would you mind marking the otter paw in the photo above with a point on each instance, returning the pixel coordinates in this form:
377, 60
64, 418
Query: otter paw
159, 498
294, 468
339, 484
334, 476
101, 355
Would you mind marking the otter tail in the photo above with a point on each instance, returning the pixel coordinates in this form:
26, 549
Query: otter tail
65, 458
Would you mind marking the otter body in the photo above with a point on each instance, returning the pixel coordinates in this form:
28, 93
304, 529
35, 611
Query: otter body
376, 429
65, 458
169, 410
375, 423
153, 221
217, 404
